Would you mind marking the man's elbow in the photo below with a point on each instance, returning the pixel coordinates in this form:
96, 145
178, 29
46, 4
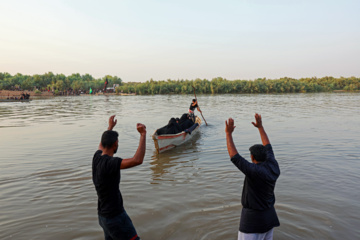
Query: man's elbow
139, 161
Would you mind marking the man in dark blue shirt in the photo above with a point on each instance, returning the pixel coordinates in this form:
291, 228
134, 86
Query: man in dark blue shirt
106, 178
258, 216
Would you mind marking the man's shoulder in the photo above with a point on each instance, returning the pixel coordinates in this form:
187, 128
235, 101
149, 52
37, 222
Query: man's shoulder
97, 153
269, 150
106, 161
268, 146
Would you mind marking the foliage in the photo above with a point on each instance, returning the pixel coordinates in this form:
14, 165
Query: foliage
50, 81
77, 82
261, 85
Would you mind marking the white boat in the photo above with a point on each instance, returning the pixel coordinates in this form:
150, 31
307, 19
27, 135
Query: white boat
169, 141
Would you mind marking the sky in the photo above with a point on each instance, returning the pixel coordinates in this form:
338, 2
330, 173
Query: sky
137, 40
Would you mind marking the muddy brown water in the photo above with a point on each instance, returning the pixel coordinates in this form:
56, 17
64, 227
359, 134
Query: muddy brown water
191, 192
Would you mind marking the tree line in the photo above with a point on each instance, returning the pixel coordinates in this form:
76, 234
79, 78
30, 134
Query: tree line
55, 82
77, 82
261, 85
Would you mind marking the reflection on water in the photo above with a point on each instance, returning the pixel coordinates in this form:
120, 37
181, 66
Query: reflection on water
190, 192
162, 162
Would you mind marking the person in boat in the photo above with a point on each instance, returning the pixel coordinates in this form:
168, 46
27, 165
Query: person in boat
183, 118
174, 126
194, 105
187, 124
186, 121
106, 175
171, 128
258, 215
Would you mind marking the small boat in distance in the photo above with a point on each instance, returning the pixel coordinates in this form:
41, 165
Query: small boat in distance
15, 100
168, 141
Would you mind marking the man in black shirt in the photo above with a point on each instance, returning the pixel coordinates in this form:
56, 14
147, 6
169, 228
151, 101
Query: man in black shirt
106, 178
258, 216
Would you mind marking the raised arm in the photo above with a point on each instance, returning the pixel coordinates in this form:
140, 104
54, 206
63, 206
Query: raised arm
229, 128
112, 124
198, 107
138, 158
264, 138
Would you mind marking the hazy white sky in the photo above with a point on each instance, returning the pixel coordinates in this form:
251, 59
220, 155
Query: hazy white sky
139, 40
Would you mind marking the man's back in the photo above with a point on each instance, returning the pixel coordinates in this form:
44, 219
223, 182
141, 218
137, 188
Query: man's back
258, 198
106, 178
258, 215
112, 216
259, 184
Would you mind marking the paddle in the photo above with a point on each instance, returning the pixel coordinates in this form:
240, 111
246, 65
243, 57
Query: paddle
198, 106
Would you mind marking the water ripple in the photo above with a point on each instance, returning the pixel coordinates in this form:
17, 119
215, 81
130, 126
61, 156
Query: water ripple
190, 192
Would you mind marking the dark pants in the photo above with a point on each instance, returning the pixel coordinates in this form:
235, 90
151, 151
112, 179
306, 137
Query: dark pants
119, 227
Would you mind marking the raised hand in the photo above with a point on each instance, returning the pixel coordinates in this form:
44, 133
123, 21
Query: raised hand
258, 120
229, 126
112, 122
141, 128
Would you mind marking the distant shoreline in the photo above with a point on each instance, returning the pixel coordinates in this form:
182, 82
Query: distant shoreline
5, 93
9, 93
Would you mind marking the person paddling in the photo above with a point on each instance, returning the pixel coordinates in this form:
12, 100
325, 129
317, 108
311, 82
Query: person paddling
194, 105
106, 178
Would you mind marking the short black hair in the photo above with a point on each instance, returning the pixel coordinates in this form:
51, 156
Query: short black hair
108, 138
259, 153
194, 100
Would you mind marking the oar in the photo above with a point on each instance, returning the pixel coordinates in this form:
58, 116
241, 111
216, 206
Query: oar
199, 107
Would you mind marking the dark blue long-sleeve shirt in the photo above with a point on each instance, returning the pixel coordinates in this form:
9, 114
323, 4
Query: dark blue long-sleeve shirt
258, 198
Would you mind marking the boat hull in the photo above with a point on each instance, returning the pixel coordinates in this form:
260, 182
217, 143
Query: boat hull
168, 141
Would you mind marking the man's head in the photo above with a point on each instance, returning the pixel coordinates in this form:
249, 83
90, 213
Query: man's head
109, 140
258, 153
194, 100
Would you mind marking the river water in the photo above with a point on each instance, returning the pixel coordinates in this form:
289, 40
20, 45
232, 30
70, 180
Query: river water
191, 192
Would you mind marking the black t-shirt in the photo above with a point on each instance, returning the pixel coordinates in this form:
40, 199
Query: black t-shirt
258, 198
192, 108
106, 178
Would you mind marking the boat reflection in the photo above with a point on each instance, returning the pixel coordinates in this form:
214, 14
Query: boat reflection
162, 163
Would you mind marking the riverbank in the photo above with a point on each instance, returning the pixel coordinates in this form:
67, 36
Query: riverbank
7, 93
115, 94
